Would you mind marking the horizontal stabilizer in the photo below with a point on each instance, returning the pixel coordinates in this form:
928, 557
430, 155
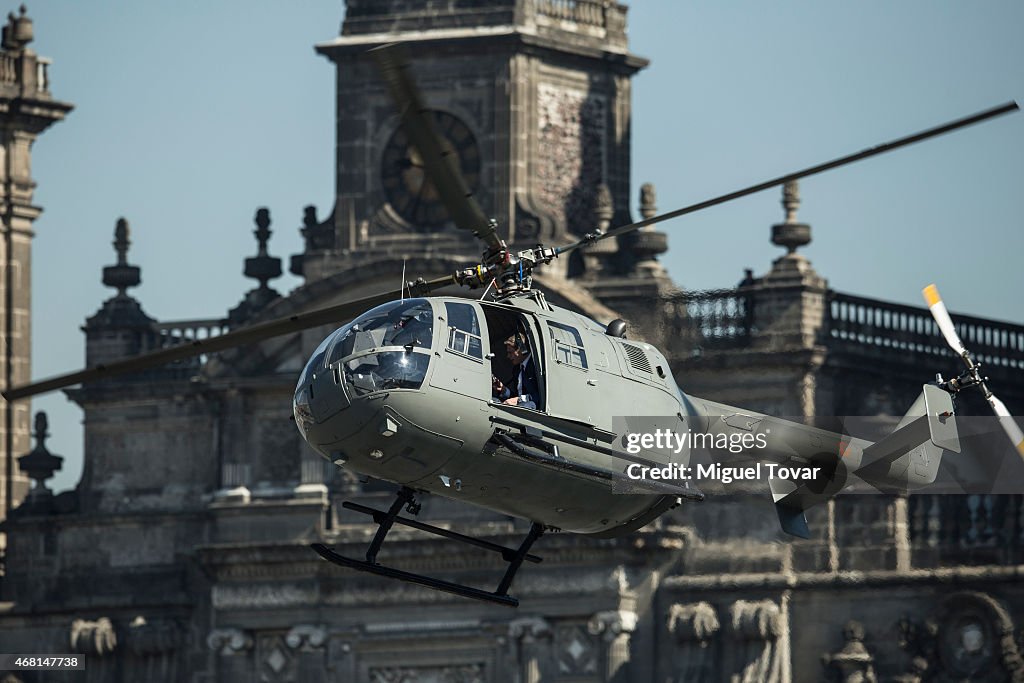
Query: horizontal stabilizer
793, 521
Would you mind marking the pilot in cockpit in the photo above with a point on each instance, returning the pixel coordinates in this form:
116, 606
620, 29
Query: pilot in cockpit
523, 390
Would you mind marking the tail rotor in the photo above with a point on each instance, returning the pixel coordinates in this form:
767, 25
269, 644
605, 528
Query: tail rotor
972, 375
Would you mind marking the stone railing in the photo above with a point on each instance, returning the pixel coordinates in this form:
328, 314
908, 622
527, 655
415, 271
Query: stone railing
589, 12
177, 332
42, 74
873, 323
718, 318
183, 331
977, 528
8, 68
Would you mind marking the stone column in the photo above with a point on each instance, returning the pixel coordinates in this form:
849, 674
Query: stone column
616, 627
26, 110
756, 627
529, 641
309, 641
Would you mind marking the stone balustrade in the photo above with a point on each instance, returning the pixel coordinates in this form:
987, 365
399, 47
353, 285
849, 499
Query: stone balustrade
870, 322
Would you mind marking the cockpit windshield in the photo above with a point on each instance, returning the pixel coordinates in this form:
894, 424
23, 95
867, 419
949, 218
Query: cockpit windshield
408, 324
385, 370
385, 348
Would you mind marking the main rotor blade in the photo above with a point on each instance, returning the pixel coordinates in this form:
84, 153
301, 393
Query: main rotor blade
197, 347
440, 163
781, 180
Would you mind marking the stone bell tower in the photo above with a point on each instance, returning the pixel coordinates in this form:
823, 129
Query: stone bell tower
534, 97
26, 109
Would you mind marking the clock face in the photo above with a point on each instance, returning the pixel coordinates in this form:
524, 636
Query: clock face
407, 188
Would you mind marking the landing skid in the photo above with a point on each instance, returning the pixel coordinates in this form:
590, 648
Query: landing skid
385, 520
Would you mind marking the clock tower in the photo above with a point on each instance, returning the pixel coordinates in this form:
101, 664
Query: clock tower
534, 97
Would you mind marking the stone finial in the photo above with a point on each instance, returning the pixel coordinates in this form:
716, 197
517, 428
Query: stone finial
853, 662
791, 200
262, 267
791, 234
122, 275
309, 220
604, 209
40, 464
648, 209
18, 32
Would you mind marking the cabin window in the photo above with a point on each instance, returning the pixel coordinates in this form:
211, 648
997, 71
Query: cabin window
568, 345
464, 330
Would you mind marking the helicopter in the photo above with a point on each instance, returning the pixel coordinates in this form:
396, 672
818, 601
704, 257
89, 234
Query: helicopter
404, 392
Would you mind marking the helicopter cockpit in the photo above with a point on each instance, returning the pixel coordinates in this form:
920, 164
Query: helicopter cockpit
387, 347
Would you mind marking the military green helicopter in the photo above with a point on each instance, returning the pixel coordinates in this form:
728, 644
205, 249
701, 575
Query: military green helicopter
405, 393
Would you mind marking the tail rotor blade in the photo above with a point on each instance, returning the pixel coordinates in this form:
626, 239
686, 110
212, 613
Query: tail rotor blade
942, 319
1008, 424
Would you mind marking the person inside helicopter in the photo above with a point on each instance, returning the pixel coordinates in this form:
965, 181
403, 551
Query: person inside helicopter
523, 390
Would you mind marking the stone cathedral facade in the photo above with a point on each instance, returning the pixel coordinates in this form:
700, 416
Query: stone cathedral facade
182, 554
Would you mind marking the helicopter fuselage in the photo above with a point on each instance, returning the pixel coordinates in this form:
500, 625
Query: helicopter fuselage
403, 393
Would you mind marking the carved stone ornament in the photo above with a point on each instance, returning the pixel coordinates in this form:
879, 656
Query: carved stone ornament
464, 673
970, 637
694, 657
229, 641
693, 622
529, 627
306, 637
612, 623
755, 656
93, 637
576, 652
755, 620
852, 663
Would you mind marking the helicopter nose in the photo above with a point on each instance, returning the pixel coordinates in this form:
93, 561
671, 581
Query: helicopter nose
327, 394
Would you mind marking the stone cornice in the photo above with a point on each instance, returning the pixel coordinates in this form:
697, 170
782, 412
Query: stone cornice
946, 576
469, 39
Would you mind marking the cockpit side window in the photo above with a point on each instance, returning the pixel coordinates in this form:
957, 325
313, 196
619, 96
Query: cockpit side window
463, 330
568, 345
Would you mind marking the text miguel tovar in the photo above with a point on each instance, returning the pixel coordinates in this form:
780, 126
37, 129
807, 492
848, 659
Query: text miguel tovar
722, 473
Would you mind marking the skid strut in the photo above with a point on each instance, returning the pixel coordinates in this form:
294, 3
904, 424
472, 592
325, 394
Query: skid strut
386, 520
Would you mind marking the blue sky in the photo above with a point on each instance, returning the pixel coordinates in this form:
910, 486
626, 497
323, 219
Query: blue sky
189, 116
